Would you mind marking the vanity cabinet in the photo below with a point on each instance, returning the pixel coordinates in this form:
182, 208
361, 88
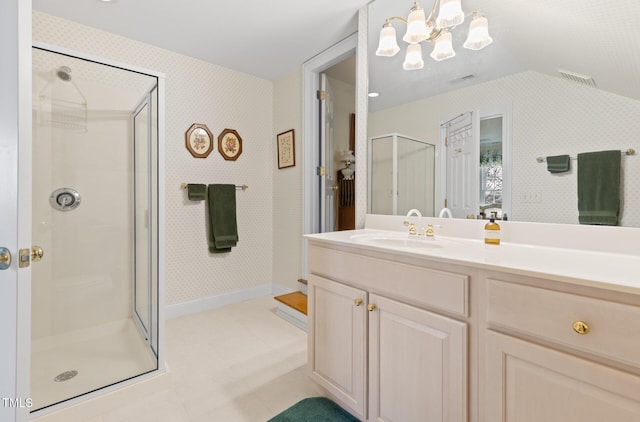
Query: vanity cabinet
417, 364
384, 358
337, 340
475, 333
546, 363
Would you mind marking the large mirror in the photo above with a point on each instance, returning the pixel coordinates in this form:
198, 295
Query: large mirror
562, 78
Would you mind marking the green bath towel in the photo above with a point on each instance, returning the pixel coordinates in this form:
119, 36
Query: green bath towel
222, 225
599, 187
558, 164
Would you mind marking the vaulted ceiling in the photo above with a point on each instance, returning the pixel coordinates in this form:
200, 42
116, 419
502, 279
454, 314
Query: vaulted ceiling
586, 37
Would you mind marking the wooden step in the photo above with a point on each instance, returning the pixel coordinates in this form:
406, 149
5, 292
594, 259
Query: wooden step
295, 300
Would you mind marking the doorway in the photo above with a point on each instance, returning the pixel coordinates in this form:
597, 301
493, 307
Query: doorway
476, 167
337, 144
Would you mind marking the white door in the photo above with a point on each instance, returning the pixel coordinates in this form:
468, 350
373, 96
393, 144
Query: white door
462, 165
327, 182
15, 213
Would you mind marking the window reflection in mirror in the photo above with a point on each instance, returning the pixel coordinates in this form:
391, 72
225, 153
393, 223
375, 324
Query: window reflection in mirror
491, 167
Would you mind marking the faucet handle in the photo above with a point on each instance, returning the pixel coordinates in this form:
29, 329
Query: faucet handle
412, 227
430, 232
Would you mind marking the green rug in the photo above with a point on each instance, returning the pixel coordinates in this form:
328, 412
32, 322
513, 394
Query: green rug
315, 409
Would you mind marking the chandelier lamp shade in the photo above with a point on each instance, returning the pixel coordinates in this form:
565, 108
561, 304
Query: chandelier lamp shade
433, 29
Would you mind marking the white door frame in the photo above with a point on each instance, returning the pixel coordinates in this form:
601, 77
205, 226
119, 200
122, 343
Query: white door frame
311, 70
15, 210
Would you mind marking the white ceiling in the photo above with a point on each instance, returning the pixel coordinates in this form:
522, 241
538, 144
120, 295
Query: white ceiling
265, 38
270, 38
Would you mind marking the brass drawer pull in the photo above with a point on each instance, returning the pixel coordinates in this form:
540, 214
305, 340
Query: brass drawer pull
371, 307
580, 327
358, 302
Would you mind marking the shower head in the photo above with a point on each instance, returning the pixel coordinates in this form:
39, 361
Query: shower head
64, 73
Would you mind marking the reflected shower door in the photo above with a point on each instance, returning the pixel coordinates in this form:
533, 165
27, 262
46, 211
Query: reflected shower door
94, 215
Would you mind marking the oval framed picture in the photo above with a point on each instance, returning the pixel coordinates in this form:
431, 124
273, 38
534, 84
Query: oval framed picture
230, 144
199, 140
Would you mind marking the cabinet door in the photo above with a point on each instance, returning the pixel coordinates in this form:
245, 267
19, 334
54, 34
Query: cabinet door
337, 340
417, 364
526, 382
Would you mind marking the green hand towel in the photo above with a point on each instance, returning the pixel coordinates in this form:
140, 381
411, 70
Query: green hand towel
222, 225
196, 192
599, 187
558, 163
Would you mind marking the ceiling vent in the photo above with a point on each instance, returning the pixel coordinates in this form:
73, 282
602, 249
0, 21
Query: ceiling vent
578, 78
463, 78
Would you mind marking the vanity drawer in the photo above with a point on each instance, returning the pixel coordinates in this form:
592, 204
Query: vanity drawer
420, 286
613, 328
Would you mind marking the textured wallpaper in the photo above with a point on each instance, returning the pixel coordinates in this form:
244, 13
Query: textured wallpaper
541, 126
199, 92
287, 184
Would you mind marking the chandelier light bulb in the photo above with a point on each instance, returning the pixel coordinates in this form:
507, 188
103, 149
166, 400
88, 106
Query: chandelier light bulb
478, 37
413, 59
450, 14
387, 45
416, 26
443, 47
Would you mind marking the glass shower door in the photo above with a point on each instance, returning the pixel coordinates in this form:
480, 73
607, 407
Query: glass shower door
94, 214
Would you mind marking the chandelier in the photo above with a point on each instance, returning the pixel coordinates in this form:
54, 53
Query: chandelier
421, 29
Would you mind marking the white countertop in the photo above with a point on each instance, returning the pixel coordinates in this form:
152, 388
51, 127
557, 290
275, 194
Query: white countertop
612, 271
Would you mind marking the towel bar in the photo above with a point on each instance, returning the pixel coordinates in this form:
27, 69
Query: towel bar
630, 151
243, 187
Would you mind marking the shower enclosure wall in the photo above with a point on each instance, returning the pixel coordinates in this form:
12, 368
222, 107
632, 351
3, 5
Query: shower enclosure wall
401, 175
95, 216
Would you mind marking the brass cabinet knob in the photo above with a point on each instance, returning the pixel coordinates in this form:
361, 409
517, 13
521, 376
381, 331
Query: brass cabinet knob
580, 327
358, 302
371, 307
36, 253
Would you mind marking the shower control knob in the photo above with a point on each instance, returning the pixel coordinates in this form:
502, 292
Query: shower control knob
36, 253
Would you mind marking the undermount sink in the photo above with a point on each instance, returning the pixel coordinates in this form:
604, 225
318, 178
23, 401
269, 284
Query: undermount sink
397, 241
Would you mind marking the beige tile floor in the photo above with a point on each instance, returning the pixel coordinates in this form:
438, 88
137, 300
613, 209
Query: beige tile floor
237, 363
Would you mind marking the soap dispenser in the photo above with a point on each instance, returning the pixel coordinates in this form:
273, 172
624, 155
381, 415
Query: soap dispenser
492, 231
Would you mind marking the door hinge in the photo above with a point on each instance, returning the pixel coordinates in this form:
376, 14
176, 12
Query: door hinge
321, 95
320, 171
446, 141
445, 202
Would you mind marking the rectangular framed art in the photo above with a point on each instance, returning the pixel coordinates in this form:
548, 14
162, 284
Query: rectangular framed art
286, 149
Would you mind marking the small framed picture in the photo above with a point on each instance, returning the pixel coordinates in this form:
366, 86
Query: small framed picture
230, 144
286, 149
199, 140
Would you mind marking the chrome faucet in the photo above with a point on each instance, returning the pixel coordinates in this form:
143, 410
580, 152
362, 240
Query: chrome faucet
415, 212
445, 212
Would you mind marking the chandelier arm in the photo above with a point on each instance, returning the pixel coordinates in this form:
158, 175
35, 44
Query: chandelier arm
433, 10
434, 34
395, 18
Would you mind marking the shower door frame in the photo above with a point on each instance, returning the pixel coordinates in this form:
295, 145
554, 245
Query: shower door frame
24, 311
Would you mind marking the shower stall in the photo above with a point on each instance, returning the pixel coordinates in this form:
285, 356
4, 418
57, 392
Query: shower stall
94, 305
401, 175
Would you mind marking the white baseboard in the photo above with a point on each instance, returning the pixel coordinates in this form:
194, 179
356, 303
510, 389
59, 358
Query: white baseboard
278, 290
296, 318
213, 302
